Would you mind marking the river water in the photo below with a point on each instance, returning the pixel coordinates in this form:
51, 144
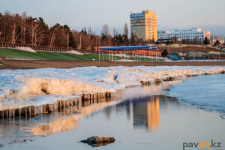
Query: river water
146, 119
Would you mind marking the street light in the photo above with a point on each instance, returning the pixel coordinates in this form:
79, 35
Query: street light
179, 43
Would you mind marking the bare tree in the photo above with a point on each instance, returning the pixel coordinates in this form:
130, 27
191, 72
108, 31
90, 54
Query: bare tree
114, 32
52, 37
14, 28
105, 30
23, 28
125, 29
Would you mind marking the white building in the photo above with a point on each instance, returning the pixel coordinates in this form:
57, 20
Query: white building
185, 34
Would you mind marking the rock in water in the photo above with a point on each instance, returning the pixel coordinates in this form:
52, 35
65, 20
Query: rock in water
96, 141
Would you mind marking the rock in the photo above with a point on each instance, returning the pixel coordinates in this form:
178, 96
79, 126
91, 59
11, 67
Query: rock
1, 59
1, 145
96, 141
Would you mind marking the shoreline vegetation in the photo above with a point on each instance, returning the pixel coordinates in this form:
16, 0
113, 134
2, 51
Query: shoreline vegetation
26, 30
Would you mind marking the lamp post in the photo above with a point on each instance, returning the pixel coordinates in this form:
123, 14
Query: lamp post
179, 43
98, 48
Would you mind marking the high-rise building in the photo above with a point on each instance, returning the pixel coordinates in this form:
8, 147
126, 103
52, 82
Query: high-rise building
144, 25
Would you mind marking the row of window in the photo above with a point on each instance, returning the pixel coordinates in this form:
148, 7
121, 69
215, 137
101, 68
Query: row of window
196, 33
135, 21
135, 30
135, 24
180, 35
164, 37
135, 27
134, 18
188, 32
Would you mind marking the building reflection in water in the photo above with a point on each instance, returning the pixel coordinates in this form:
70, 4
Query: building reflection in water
146, 113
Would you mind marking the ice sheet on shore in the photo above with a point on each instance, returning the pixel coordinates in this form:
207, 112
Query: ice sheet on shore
204, 92
21, 86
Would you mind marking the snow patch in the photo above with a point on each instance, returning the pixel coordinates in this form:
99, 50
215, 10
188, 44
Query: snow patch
28, 49
75, 52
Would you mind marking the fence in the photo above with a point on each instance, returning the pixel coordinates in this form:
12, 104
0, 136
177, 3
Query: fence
198, 56
43, 48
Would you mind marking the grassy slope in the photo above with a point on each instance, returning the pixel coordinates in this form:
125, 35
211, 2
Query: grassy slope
10, 53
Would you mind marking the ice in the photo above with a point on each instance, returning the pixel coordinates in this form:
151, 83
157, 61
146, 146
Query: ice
204, 92
22, 87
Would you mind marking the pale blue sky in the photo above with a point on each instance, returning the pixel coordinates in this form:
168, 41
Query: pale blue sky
172, 14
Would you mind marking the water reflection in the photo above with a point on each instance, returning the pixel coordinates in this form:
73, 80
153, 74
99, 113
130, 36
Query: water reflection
70, 123
138, 107
146, 110
147, 113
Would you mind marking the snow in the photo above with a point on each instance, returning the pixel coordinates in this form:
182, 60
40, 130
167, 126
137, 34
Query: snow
75, 52
28, 49
29, 87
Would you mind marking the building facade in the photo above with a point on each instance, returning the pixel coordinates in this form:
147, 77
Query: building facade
185, 34
144, 25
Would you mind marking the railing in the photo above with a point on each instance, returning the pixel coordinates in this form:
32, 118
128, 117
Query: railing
43, 48
198, 56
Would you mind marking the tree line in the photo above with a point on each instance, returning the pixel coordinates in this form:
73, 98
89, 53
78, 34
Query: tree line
24, 29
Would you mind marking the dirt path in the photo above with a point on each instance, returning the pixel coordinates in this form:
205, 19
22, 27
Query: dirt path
32, 64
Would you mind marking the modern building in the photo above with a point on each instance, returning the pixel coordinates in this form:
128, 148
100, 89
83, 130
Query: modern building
185, 34
144, 25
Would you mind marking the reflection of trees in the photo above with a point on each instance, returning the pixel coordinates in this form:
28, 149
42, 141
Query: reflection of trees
108, 112
128, 110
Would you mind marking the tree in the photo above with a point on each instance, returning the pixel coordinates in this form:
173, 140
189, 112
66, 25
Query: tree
125, 29
14, 28
114, 32
23, 27
105, 30
206, 41
121, 40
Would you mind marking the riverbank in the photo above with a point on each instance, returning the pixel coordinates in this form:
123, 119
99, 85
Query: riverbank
21, 88
34, 64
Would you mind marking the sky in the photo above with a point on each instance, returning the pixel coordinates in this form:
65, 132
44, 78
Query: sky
171, 14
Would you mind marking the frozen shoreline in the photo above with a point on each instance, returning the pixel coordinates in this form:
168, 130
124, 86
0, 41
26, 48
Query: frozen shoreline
20, 88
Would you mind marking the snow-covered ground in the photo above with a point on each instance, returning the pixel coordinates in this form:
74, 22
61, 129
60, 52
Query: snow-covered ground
75, 52
28, 49
19, 88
